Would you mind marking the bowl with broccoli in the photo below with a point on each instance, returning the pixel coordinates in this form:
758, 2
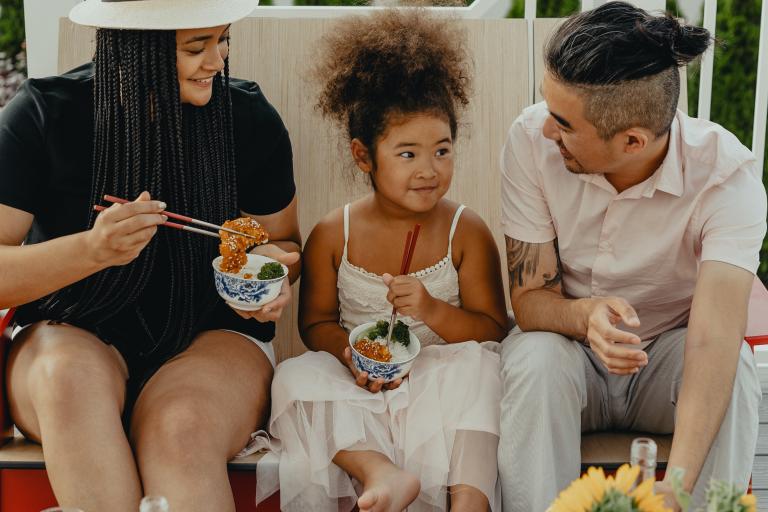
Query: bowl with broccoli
258, 282
389, 361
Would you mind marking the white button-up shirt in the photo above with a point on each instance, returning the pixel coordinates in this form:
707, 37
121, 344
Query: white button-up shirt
705, 202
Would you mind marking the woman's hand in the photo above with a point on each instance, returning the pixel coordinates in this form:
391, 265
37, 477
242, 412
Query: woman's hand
122, 231
271, 311
409, 297
361, 378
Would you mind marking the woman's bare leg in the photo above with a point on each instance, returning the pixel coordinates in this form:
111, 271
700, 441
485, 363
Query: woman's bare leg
386, 487
66, 389
195, 414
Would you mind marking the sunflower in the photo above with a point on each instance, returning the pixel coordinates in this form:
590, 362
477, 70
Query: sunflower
749, 502
594, 492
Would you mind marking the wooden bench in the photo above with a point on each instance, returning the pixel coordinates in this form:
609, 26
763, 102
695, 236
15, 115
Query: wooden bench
276, 53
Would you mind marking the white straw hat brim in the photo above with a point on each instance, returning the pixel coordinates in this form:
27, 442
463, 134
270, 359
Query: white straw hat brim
160, 14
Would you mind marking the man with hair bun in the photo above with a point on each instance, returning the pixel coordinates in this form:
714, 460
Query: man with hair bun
633, 234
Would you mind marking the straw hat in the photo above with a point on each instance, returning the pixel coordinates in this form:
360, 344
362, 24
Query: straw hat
160, 14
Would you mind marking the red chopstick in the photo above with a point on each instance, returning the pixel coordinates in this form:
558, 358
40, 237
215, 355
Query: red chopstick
405, 265
406, 251
100, 208
113, 199
411, 248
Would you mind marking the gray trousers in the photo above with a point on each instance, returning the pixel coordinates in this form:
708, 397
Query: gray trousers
555, 389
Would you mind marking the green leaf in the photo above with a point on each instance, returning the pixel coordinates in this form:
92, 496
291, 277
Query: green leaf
676, 481
615, 501
400, 334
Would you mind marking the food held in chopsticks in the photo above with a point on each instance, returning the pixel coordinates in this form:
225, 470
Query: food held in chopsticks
373, 342
233, 247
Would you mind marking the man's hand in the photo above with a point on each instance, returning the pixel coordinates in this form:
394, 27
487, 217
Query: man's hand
603, 314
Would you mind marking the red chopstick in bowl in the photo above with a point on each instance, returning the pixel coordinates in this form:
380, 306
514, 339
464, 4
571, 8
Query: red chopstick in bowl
405, 265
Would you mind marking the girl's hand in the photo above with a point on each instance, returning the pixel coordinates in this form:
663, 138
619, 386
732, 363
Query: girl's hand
409, 297
122, 231
271, 311
361, 378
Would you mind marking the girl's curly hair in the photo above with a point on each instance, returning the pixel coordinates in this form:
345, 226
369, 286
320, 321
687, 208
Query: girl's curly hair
392, 62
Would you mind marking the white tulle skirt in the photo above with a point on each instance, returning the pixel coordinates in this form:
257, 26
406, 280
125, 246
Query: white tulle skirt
441, 424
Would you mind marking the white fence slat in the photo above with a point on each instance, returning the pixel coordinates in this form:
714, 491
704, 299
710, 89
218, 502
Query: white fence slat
761, 93
707, 62
530, 15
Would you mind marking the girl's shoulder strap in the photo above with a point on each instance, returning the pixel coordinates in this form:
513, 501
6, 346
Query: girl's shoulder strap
346, 229
453, 227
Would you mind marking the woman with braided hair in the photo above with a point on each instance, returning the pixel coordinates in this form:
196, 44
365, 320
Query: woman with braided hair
125, 364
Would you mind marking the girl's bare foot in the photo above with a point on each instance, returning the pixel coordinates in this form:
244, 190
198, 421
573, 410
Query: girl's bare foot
467, 498
388, 489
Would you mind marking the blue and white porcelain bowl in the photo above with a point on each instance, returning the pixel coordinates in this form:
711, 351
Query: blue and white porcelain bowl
247, 294
376, 369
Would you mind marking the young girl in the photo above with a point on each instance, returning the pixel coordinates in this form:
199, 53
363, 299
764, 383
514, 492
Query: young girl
395, 81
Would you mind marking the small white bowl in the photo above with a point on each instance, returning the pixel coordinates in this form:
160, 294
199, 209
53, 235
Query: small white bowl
377, 369
247, 294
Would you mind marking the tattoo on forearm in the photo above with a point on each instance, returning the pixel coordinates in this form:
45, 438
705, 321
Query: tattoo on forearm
551, 281
523, 262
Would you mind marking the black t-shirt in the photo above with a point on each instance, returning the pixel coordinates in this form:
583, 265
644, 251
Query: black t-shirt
46, 150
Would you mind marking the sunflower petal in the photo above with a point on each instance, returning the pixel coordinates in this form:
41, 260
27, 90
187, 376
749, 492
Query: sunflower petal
626, 477
642, 490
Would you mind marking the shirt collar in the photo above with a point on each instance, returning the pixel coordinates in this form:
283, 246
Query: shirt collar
669, 176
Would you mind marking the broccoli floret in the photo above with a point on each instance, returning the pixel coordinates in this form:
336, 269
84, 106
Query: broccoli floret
271, 270
379, 330
400, 334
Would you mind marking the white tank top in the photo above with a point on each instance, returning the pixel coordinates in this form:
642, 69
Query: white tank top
363, 295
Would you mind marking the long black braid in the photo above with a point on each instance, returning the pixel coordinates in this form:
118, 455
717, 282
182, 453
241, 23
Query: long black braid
145, 139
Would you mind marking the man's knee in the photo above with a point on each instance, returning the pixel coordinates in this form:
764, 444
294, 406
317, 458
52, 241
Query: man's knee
541, 359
